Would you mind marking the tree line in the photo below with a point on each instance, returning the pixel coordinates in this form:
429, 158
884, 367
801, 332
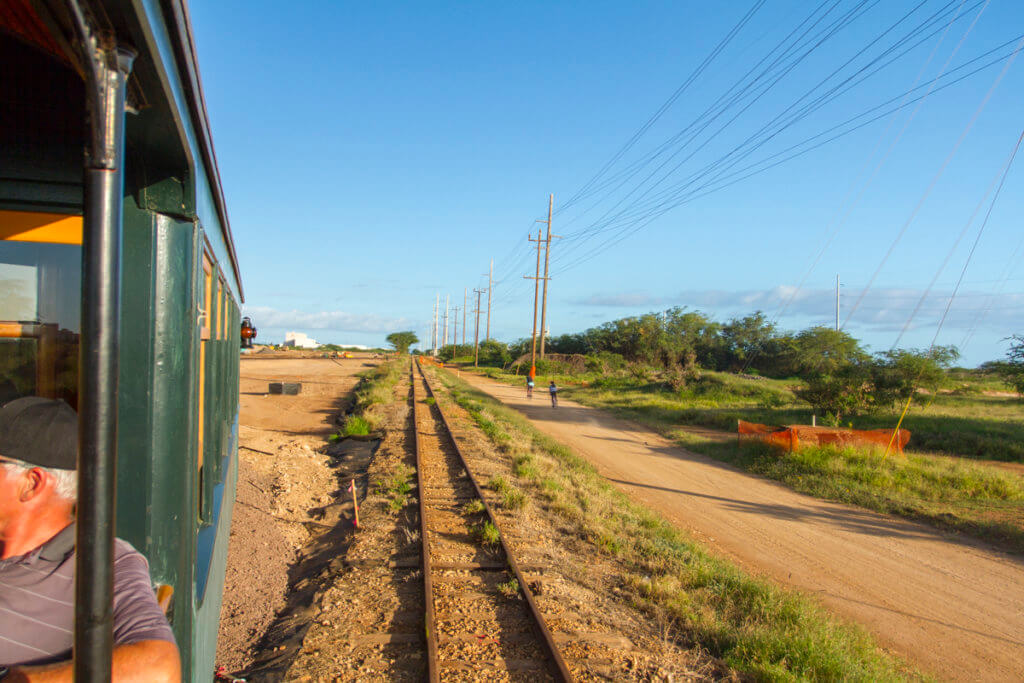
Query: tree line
838, 375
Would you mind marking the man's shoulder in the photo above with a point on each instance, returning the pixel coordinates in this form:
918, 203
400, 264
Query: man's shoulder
125, 555
123, 547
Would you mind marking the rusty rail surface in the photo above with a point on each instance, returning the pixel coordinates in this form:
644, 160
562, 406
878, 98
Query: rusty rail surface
559, 669
430, 632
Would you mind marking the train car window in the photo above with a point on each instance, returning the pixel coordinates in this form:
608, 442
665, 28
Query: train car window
204, 336
218, 376
218, 310
40, 305
224, 311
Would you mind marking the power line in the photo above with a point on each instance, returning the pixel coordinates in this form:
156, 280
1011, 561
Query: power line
641, 222
722, 104
843, 217
981, 230
668, 103
935, 178
829, 32
659, 206
632, 227
817, 40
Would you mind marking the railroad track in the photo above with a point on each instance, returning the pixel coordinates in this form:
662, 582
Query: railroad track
480, 616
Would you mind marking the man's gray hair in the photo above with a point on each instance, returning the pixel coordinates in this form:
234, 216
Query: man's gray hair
65, 482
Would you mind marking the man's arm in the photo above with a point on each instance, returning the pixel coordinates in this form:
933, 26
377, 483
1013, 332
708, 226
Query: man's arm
153, 661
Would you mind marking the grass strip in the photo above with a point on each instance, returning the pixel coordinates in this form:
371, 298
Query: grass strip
756, 627
376, 388
376, 385
963, 422
946, 492
940, 491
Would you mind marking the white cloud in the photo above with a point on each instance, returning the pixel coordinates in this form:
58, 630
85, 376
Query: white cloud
625, 299
341, 321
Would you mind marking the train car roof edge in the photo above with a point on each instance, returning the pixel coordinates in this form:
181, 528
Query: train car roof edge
184, 46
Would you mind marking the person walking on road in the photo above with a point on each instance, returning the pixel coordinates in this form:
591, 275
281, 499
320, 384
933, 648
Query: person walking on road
529, 387
554, 394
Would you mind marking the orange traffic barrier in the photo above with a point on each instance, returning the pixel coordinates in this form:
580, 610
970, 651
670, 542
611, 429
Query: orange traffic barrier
793, 437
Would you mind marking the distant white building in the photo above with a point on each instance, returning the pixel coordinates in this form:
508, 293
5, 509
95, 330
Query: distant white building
299, 340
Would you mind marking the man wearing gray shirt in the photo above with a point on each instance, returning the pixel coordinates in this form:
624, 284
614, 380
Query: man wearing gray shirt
38, 445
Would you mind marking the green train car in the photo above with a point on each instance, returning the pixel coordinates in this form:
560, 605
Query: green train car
120, 293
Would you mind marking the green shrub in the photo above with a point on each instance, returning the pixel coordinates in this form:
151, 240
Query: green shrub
396, 487
487, 534
498, 484
357, 426
510, 588
605, 362
513, 499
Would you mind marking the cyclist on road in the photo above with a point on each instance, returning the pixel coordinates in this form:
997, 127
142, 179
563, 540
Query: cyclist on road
529, 387
554, 394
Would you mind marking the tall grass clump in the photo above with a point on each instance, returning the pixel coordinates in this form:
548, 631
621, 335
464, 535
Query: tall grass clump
356, 426
487, 534
376, 387
511, 497
396, 485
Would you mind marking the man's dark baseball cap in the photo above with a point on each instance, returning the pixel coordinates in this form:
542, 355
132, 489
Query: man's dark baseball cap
39, 431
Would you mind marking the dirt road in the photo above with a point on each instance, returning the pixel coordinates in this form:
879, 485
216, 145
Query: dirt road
953, 607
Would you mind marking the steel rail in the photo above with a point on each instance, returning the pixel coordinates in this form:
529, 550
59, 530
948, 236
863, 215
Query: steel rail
559, 668
430, 632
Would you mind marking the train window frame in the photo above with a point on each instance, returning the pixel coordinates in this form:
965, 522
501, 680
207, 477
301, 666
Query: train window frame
53, 356
202, 488
210, 470
217, 374
215, 303
222, 328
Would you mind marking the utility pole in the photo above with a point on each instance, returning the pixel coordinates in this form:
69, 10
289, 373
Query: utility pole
476, 333
444, 338
837, 302
547, 260
455, 323
490, 286
536, 295
465, 307
437, 302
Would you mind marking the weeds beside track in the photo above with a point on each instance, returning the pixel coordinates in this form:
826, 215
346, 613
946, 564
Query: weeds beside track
753, 625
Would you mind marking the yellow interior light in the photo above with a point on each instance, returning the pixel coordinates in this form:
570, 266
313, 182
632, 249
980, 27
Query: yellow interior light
31, 226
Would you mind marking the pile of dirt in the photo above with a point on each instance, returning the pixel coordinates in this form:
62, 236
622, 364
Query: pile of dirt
287, 499
257, 572
282, 488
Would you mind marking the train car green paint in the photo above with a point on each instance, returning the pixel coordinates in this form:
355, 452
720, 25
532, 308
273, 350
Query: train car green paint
177, 515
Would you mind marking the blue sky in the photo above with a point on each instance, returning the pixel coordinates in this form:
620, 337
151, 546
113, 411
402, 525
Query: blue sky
374, 155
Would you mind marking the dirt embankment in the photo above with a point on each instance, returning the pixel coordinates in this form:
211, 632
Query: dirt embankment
953, 606
288, 492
